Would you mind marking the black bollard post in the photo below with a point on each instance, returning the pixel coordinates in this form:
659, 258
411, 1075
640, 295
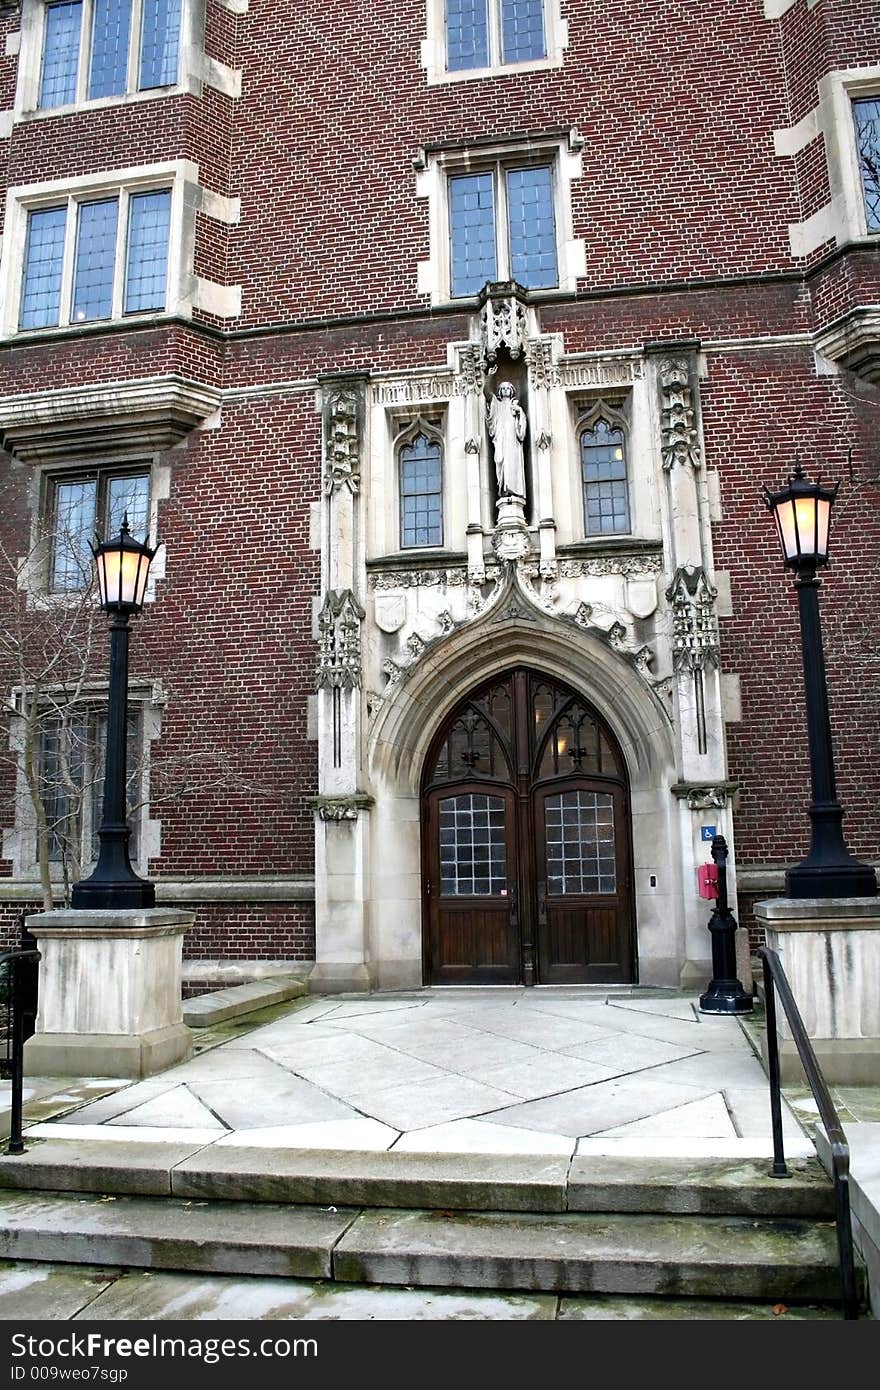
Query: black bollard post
725, 994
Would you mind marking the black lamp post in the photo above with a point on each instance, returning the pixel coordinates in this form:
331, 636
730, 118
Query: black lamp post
725, 994
803, 514
123, 565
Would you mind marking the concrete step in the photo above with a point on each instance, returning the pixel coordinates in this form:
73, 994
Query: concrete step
452, 1182
218, 1006
781, 1260
32, 1291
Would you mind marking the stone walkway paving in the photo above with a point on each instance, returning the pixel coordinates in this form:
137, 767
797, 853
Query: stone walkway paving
543, 1071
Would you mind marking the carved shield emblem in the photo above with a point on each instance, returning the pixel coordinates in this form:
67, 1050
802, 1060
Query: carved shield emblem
390, 611
641, 596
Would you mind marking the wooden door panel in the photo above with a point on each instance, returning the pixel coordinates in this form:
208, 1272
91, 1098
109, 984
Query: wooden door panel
580, 944
584, 926
473, 932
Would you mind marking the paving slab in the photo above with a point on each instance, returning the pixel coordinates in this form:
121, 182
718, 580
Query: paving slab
175, 1109
144, 1232
476, 1136
447, 1181
282, 1100
592, 1109
634, 1254
430, 1102
668, 1146
124, 1134
359, 1133
634, 1053
708, 1118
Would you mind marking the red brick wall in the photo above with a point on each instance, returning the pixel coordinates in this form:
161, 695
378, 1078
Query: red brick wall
684, 209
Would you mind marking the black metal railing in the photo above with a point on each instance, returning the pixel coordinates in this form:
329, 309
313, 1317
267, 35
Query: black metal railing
775, 982
18, 999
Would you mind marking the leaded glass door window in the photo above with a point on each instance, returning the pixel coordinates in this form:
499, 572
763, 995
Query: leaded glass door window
526, 852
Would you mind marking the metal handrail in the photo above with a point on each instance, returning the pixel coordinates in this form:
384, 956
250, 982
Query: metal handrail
775, 981
16, 1143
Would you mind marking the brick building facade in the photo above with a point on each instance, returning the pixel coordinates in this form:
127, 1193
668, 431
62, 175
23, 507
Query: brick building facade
404, 702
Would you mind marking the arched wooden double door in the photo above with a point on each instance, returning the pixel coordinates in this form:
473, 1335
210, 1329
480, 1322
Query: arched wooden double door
526, 843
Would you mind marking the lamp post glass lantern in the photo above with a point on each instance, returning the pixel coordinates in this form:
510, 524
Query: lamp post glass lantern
802, 511
123, 567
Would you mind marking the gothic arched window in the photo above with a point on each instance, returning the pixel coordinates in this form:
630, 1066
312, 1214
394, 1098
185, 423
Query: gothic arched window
602, 448
420, 473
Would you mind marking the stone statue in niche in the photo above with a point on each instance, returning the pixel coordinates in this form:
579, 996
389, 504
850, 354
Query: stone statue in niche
507, 430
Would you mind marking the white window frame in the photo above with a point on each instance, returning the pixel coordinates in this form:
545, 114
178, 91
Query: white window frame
844, 218
181, 288
191, 62
433, 49
561, 154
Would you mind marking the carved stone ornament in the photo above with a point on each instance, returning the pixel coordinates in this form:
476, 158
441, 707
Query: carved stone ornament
694, 622
472, 446
510, 539
381, 580
611, 564
678, 425
390, 611
339, 641
543, 371
641, 595
340, 808
503, 321
342, 462
699, 797
469, 378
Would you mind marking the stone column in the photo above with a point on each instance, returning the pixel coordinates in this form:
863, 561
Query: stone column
702, 757
342, 860
109, 993
830, 952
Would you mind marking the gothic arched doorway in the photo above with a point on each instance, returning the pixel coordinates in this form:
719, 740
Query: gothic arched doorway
526, 841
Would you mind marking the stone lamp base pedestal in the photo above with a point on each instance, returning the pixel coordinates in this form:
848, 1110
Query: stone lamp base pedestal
109, 993
830, 952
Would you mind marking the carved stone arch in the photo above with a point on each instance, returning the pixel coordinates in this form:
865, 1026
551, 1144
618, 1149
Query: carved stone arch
412, 714
590, 412
408, 430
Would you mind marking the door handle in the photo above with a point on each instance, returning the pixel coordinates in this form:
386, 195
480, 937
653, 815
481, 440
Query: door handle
514, 904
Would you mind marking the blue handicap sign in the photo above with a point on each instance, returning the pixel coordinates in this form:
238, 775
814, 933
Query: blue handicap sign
707, 832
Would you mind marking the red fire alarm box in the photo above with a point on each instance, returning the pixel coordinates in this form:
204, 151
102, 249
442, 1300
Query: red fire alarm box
707, 880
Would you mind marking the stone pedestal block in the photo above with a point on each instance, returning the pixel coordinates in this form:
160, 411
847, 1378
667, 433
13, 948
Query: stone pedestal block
109, 993
830, 951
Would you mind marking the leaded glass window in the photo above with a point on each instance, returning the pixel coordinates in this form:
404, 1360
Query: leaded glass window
502, 225
867, 117
489, 33
86, 505
95, 258
109, 275
579, 827
146, 262
421, 492
105, 48
473, 847
43, 260
603, 470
